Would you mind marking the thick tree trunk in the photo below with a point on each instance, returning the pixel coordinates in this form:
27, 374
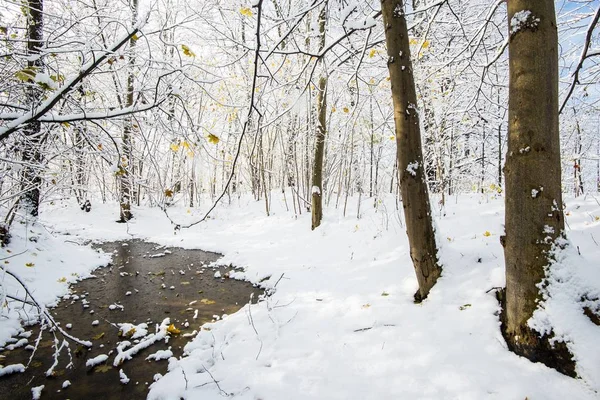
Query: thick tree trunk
534, 213
125, 178
32, 156
411, 171
317, 176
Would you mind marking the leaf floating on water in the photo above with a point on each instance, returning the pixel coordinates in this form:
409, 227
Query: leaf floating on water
172, 330
98, 336
207, 302
464, 307
103, 368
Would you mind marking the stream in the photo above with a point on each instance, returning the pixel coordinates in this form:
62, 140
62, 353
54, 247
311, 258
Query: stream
145, 283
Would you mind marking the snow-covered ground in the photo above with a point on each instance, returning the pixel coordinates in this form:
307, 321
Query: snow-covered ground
341, 323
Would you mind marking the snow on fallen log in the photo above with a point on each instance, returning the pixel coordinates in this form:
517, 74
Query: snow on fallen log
124, 355
92, 362
11, 369
160, 355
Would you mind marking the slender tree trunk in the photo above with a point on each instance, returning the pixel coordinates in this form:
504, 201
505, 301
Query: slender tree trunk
534, 213
32, 156
411, 171
125, 178
317, 176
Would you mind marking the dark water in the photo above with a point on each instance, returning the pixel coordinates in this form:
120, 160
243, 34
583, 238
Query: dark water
149, 279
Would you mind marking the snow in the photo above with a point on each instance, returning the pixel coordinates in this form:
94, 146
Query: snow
11, 369
132, 331
124, 355
123, 378
412, 168
522, 19
46, 265
92, 362
66, 384
36, 392
341, 322
160, 355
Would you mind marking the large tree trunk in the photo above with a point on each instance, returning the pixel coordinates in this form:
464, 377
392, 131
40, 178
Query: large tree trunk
32, 156
534, 210
411, 172
125, 172
317, 176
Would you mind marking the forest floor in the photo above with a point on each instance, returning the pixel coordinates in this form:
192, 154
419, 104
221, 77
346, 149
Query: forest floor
340, 322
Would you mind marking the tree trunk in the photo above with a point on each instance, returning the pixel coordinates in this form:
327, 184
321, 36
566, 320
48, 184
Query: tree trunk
125, 178
411, 171
317, 176
32, 156
534, 210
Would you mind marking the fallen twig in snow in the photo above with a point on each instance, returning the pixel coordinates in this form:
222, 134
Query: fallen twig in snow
161, 333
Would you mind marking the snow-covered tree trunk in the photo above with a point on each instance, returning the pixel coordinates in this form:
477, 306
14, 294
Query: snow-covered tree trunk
125, 172
317, 176
31, 155
411, 171
534, 209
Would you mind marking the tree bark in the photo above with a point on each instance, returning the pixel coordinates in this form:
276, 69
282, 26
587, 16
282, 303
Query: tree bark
125, 178
317, 176
411, 171
534, 209
32, 156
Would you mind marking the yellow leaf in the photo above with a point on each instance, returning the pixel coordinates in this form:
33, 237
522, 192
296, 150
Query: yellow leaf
372, 53
207, 301
98, 336
29, 265
213, 139
135, 37
246, 11
392, 137
172, 330
185, 144
187, 51
346, 110
65, 124
174, 147
487, 233
26, 74
333, 109
414, 41
168, 193
425, 44
103, 368
62, 280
